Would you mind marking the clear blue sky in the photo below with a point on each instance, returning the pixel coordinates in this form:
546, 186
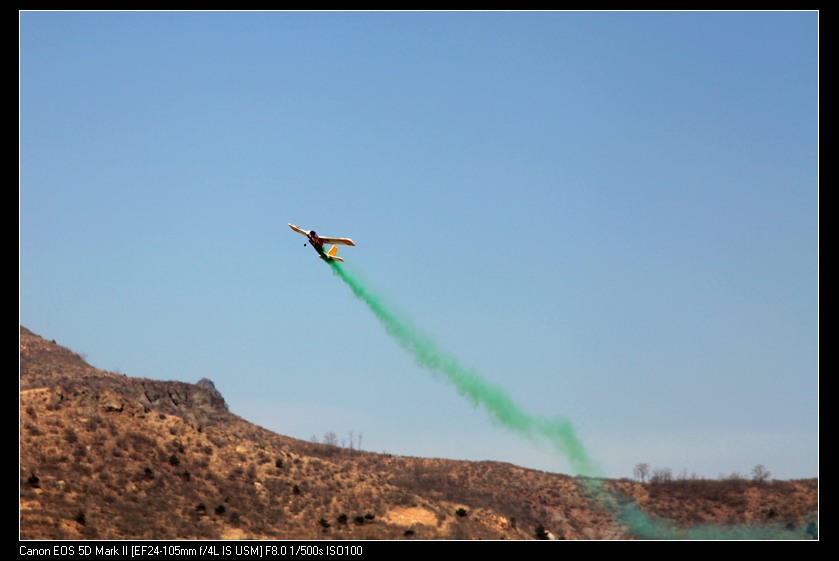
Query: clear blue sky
612, 216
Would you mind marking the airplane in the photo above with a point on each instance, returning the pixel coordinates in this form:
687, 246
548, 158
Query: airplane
318, 241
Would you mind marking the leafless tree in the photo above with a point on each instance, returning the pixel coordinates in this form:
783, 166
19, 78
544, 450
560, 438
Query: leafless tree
661, 475
733, 476
330, 438
641, 471
760, 473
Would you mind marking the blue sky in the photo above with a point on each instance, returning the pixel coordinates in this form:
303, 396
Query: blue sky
612, 216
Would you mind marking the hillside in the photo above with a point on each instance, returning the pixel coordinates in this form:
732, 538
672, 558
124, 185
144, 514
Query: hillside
106, 456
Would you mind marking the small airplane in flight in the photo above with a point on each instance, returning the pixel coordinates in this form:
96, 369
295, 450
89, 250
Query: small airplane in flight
318, 241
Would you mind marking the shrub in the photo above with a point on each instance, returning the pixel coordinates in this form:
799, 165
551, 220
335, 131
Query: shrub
141, 442
174, 461
219, 510
80, 451
93, 423
359, 520
324, 524
33, 430
295, 490
541, 533
34, 481
80, 518
369, 516
461, 512
342, 518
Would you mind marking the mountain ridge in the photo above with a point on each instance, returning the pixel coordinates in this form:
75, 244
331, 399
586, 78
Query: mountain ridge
108, 456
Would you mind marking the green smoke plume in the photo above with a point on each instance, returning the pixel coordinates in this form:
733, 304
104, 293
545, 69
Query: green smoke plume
558, 432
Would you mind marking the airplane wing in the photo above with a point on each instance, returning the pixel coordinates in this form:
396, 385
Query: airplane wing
298, 230
339, 241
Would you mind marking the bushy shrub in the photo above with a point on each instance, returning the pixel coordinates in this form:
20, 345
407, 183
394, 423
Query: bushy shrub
33, 430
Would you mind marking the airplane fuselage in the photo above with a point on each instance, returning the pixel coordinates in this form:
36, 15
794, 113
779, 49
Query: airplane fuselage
317, 244
314, 239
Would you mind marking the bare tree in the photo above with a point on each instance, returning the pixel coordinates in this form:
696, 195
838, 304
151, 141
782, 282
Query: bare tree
359, 441
760, 473
661, 475
641, 471
330, 438
351, 440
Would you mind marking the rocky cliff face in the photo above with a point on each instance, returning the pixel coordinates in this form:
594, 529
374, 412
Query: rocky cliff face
45, 364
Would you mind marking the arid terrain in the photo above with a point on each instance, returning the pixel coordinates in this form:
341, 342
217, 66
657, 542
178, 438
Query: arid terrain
107, 456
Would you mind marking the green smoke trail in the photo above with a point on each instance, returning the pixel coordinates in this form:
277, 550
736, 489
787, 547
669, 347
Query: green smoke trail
558, 432
645, 527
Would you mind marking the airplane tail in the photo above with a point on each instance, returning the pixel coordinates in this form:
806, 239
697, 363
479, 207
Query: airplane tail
333, 253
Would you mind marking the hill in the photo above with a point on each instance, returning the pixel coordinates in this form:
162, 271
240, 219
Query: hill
107, 456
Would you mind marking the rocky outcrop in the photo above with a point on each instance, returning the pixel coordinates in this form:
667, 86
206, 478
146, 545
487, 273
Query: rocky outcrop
45, 364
